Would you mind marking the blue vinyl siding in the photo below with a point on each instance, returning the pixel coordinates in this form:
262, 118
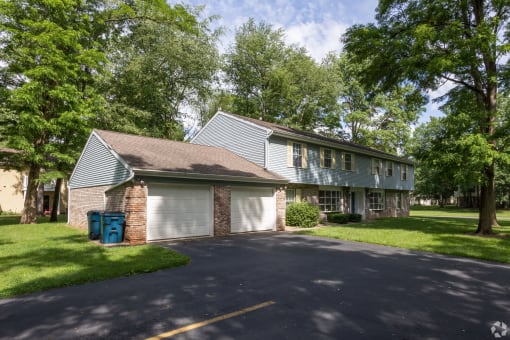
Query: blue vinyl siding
97, 166
313, 174
242, 138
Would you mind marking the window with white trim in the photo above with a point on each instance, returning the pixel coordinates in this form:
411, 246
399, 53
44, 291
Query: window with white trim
376, 166
327, 158
290, 196
348, 161
376, 200
404, 172
389, 168
330, 200
296, 154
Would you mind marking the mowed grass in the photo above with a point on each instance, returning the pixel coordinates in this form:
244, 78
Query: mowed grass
450, 211
48, 255
448, 236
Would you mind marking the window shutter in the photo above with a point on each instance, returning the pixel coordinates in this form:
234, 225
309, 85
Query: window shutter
381, 172
333, 159
402, 172
322, 157
353, 162
304, 160
373, 166
289, 154
343, 161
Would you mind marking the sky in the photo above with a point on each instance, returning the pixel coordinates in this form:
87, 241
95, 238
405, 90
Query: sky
316, 25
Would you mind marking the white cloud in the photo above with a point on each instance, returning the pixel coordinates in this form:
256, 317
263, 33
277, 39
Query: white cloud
317, 38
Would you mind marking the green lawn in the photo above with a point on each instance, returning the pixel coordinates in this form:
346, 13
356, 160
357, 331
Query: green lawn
449, 211
433, 234
48, 255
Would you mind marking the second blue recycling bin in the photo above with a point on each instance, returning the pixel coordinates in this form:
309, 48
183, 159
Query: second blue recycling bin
112, 228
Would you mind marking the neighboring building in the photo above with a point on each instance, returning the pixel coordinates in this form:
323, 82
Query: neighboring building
171, 189
13, 188
335, 175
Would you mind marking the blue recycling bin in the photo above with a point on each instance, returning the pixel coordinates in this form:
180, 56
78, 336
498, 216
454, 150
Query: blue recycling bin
94, 221
112, 227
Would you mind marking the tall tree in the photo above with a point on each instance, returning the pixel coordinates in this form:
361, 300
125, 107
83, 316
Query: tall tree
432, 42
276, 82
49, 58
159, 67
371, 115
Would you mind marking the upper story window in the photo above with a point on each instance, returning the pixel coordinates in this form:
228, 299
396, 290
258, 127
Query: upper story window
376, 200
296, 155
376, 166
348, 161
328, 158
404, 172
389, 168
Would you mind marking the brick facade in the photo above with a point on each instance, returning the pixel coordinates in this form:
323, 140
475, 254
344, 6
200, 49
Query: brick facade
82, 200
281, 205
221, 210
390, 209
116, 198
136, 214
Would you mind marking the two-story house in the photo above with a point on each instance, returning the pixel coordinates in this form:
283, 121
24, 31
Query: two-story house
335, 175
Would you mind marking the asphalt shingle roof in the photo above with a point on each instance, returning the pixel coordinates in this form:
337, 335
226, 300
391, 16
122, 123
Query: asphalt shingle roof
291, 132
156, 154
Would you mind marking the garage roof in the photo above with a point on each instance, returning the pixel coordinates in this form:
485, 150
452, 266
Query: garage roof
163, 157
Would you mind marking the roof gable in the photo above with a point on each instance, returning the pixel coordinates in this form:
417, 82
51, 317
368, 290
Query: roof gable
154, 155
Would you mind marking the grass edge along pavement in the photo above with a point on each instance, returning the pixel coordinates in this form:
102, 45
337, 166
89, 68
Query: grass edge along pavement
37, 257
448, 236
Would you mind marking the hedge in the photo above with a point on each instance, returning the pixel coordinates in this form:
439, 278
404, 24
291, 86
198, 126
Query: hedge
302, 214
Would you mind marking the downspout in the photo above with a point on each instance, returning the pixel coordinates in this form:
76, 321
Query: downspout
266, 149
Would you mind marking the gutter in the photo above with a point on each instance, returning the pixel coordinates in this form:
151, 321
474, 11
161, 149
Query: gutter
378, 154
224, 178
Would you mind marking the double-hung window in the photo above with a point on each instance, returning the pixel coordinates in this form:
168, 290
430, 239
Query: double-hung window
398, 198
290, 196
376, 166
296, 154
389, 168
329, 200
404, 172
348, 161
328, 158
376, 200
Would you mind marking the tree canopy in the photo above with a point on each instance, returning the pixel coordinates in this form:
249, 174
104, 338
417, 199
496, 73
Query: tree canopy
462, 43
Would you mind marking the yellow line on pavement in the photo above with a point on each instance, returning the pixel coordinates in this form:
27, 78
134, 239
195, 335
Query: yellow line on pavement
210, 321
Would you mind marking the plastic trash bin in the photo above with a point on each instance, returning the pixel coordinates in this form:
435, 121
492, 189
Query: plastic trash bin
112, 227
94, 220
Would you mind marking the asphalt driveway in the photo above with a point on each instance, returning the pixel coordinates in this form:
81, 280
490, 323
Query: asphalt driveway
321, 289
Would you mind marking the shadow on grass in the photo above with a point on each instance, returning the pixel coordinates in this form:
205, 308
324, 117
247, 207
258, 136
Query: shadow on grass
450, 236
61, 256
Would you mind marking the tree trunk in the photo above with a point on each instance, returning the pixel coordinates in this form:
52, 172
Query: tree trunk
29, 214
40, 199
56, 201
487, 217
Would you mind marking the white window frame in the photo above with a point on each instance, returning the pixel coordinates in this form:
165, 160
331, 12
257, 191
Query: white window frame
352, 161
389, 168
331, 202
323, 159
404, 172
377, 166
297, 155
398, 201
291, 159
293, 196
376, 200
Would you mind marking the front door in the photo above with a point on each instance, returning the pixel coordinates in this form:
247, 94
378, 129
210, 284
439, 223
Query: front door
353, 202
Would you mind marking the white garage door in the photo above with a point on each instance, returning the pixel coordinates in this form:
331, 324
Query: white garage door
175, 211
252, 209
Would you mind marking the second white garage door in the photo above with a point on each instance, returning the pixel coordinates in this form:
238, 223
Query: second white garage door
252, 209
175, 211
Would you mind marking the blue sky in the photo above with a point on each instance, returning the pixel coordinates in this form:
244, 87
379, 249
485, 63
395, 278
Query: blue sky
316, 25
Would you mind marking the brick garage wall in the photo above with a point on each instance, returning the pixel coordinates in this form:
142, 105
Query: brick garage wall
221, 210
281, 205
83, 200
136, 214
116, 198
